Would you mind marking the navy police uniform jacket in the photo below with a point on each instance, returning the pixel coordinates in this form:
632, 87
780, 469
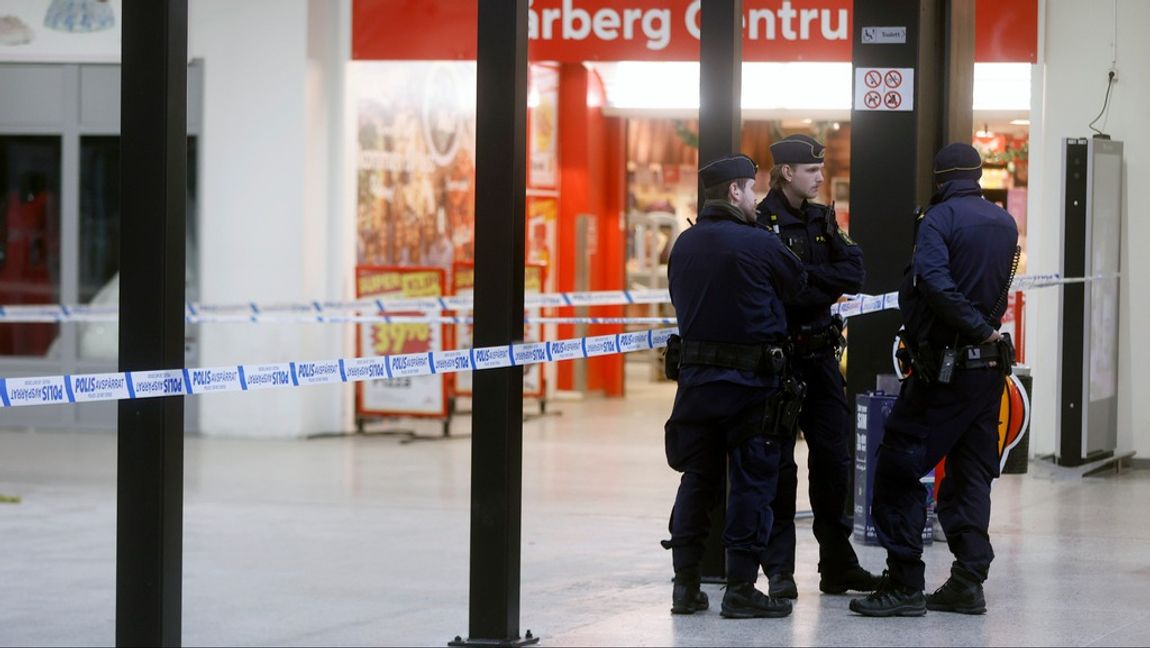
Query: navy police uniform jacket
833, 262
728, 279
964, 250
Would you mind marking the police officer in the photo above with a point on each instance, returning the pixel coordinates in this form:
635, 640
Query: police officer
834, 266
726, 277
952, 300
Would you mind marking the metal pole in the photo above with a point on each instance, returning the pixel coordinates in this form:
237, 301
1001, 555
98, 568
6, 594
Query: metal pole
497, 412
891, 152
153, 145
720, 132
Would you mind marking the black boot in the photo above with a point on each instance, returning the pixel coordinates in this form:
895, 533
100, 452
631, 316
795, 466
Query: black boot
855, 579
687, 598
783, 586
890, 599
743, 601
958, 594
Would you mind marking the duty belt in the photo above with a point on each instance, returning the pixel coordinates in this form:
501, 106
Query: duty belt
932, 365
982, 356
763, 359
809, 341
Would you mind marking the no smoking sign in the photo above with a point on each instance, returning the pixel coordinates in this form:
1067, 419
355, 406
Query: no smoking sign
884, 89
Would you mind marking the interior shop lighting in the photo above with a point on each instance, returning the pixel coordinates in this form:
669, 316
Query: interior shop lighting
657, 86
1002, 86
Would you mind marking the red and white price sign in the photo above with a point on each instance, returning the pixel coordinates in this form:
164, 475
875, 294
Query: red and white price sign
886, 89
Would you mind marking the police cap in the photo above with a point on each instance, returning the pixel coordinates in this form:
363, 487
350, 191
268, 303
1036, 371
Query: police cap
727, 169
797, 149
957, 161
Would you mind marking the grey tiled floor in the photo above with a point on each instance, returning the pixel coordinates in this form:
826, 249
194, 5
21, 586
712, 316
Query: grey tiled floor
363, 541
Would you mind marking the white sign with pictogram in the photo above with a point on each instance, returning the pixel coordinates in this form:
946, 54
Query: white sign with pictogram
887, 89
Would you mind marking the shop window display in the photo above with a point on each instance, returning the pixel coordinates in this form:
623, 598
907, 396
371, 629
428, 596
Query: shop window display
1005, 158
415, 168
662, 163
416, 163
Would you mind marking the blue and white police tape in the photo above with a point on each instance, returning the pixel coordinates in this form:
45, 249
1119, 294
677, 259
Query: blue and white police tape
25, 313
863, 304
87, 388
328, 310
111, 318
855, 305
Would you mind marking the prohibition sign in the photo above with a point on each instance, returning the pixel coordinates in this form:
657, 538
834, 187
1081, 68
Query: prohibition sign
872, 99
873, 79
893, 79
893, 100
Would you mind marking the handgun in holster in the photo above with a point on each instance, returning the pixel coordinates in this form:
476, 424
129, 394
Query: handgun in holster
925, 361
673, 357
787, 404
782, 409
1006, 353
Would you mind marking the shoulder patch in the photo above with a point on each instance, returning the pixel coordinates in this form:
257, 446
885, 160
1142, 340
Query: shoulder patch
846, 239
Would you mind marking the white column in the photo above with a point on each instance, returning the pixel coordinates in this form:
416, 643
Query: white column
1078, 44
273, 105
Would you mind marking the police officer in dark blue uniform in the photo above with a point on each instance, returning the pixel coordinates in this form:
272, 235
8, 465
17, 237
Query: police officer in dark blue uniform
834, 266
952, 300
727, 278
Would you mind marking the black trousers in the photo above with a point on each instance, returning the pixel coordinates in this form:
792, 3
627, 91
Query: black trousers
701, 442
826, 426
929, 421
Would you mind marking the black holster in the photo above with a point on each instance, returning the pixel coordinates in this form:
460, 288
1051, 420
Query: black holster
788, 404
673, 357
1006, 352
924, 359
780, 412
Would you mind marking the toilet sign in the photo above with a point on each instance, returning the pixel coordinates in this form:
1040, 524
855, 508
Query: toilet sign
884, 89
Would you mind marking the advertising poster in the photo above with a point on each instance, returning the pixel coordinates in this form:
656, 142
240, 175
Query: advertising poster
464, 278
543, 120
60, 30
411, 396
415, 164
542, 231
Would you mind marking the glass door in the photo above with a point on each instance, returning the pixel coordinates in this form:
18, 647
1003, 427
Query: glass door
29, 238
60, 190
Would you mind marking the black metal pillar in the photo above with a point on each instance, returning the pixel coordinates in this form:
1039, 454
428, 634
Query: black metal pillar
497, 410
892, 151
720, 131
720, 80
149, 513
